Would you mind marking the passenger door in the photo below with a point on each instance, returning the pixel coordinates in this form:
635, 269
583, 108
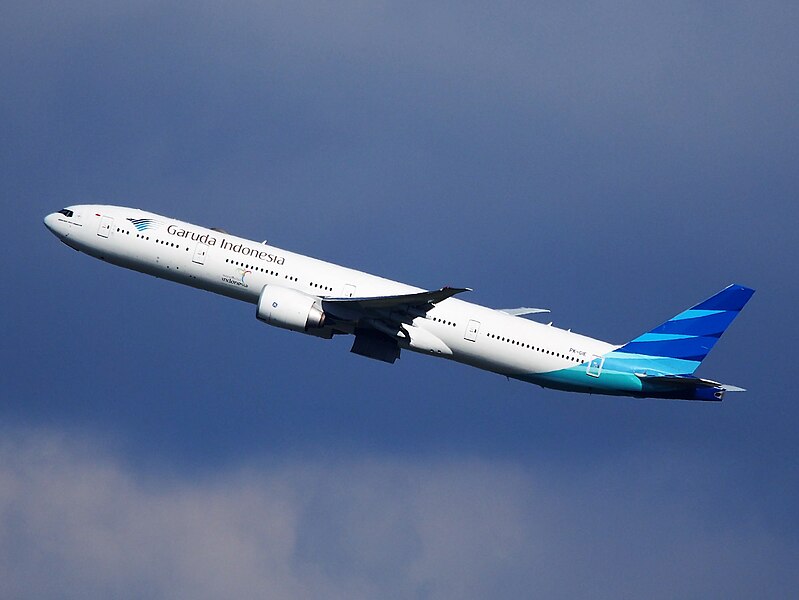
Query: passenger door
472, 329
595, 366
199, 253
106, 224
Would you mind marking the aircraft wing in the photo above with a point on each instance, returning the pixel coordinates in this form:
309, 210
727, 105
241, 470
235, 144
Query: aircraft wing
381, 323
419, 300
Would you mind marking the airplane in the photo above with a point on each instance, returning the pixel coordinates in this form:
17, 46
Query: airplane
310, 296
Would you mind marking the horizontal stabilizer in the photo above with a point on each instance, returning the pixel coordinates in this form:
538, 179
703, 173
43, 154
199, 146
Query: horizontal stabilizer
732, 388
679, 380
522, 311
688, 386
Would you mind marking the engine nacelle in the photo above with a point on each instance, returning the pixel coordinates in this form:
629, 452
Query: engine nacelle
289, 309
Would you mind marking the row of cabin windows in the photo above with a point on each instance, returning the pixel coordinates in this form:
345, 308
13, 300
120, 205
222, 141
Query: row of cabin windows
170, 244
320, 286
443, 321
147, 238
536, 348
252, 267
231, 261
261, 269
227, 260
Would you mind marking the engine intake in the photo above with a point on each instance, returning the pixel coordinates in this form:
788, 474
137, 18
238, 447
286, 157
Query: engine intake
289, 309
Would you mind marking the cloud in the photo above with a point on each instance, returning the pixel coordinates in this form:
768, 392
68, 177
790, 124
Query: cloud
75, 521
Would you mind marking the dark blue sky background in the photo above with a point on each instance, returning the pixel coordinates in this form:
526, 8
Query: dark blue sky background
615, 162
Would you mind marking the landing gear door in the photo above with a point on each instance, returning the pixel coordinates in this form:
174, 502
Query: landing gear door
199, 253
472, 328
595, 366
106, 223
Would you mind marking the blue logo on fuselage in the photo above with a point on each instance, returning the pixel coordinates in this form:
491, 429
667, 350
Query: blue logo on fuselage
143, 224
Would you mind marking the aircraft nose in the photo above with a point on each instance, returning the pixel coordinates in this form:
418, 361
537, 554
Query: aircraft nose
50, 222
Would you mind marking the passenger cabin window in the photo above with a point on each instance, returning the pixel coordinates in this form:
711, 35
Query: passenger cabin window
66, 212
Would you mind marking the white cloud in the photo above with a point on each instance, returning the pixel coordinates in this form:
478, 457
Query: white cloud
75, 522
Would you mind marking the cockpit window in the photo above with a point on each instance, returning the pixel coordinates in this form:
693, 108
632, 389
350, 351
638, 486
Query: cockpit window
66, 212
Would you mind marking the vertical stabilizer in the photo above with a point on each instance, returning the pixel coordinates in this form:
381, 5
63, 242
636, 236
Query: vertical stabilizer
683, 341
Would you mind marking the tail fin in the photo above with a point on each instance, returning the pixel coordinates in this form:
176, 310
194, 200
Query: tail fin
687, 338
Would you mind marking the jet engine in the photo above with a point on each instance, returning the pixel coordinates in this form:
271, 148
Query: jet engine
289, 309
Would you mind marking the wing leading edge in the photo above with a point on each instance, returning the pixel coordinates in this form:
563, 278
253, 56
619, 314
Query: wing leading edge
419, 299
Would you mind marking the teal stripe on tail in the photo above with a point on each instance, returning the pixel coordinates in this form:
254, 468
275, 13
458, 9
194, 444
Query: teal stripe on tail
690, 335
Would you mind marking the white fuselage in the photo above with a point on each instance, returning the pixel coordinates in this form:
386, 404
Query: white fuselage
216, 261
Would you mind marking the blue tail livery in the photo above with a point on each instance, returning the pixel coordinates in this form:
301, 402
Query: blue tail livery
682, 342
665, 358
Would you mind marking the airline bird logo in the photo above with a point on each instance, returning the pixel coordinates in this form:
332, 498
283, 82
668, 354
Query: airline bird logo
243, 273
143, 224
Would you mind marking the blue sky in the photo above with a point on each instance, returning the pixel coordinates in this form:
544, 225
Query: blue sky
615, 162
